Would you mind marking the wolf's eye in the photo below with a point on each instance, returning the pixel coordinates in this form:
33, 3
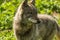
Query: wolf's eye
30, 12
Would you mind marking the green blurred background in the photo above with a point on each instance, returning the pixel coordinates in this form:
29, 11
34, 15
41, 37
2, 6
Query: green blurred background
7, 12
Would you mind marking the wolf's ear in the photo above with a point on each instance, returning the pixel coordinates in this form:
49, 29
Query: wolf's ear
25, 2
32, 2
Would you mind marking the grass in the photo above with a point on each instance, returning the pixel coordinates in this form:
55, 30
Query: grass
7, 35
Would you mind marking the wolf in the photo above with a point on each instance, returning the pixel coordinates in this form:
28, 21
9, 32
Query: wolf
29, 25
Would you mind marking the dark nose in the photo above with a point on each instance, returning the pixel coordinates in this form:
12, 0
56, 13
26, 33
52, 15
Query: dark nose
38, 21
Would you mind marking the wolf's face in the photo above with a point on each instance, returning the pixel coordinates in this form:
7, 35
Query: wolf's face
28, 10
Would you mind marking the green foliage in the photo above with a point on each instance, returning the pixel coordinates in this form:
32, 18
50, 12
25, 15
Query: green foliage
7, 35
8, 8
47, 6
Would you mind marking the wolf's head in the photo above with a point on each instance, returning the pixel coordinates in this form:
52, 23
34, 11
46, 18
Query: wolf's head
28, 9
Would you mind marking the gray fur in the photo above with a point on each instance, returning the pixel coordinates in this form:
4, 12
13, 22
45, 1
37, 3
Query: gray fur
28, 25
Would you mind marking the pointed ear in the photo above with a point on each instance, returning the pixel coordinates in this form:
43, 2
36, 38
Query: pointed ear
25, 2
32, 2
